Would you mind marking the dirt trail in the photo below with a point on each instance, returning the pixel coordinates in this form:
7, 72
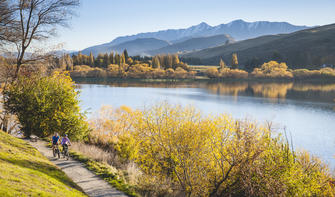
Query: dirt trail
91, 184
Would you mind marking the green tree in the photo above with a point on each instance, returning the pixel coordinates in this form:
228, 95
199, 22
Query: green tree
125, 53
106, 60
111, 58
234, 61
117, 59
46, 104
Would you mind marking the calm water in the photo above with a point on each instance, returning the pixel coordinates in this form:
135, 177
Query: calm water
307, 111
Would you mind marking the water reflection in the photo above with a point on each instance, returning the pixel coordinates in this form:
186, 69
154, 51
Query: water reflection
274, 91
305, 109
271, 90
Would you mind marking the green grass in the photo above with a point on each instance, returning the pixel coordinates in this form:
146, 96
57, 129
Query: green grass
105, 172
202, 68
26, 172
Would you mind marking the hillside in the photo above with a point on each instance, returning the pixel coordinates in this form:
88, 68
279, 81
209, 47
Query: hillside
238, 29
25, 172
307, 48
134, 47
194, 44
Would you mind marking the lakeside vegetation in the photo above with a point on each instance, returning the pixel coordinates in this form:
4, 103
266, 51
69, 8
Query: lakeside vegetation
169, 150
182, 152
164, 150
121, 66
25, 172
169, 66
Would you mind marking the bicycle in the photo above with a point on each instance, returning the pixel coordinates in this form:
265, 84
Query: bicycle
56, 151
65, 151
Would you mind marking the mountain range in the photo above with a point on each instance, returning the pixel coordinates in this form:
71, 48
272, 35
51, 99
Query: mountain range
308, 48
190, 39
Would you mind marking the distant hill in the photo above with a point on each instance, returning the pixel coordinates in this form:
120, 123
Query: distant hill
134, 47
194, 44
307, 48
238, 29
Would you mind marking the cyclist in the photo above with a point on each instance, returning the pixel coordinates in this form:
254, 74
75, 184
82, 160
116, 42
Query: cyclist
65, 143
55, 141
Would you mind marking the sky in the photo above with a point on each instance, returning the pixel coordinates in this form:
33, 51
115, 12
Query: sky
100, 21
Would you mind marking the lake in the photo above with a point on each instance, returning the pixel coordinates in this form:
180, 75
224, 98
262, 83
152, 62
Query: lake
306, 111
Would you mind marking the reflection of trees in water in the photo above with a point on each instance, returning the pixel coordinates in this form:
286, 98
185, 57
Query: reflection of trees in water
298, 90
313, 87
271, 90
233, 88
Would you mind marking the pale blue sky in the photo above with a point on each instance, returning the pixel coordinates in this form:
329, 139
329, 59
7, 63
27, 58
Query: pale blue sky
100, 21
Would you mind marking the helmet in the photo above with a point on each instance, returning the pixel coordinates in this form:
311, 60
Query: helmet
65, 135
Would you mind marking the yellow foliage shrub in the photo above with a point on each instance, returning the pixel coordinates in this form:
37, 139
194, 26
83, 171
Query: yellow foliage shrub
200, 155
272, 69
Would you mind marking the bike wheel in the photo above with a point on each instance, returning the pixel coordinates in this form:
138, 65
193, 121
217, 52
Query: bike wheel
54, 152
58, 154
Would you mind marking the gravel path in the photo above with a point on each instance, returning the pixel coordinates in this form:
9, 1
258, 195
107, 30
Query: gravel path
91, 184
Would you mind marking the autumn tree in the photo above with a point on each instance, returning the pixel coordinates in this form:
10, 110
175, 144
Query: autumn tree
91, 60
46, 104
65, 62
222, 65
155, 62
168, 61
234, 61
35, 20
175, 60
7, 21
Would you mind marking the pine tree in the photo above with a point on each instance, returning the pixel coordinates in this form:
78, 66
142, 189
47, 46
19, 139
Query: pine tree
117, 59
106, 60
125, 53
91, 60
111, 58
234, 61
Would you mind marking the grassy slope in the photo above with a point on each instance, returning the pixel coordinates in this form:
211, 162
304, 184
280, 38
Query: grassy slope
25, 172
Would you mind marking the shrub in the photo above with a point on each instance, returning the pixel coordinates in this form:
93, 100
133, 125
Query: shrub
226, 73
189, 154
212, 73
46, 104
272, 69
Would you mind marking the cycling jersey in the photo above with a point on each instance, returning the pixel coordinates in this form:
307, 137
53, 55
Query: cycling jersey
55, 140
